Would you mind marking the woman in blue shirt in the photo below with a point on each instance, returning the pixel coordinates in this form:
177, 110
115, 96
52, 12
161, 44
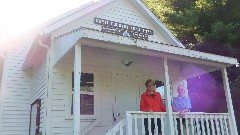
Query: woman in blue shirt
182, 105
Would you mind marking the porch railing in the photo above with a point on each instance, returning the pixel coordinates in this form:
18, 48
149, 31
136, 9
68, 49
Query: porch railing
197, 123
135, 122
119, 128
194, 123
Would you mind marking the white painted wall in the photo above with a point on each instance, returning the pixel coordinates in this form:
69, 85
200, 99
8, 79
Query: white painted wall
39, 88
1, 72
15, 96
60, 123
119, 11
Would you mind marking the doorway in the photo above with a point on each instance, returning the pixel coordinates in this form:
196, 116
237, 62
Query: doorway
35, 117
127, 94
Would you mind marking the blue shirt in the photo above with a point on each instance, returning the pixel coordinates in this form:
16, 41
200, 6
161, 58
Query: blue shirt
181, 103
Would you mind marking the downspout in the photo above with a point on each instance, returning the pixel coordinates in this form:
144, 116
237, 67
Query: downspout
43, 45
47, 101
1, 91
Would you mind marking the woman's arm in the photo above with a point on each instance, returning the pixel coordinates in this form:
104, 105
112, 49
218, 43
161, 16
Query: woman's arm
185, 110
174, 109
143, 106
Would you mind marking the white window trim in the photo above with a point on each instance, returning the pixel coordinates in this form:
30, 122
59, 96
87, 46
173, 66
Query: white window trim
95, 93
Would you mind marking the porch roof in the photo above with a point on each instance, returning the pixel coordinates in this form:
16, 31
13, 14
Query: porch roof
105, 40
36, 53
71, 37
97, 38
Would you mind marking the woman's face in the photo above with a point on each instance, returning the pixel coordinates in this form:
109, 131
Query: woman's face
181, 91
151, 86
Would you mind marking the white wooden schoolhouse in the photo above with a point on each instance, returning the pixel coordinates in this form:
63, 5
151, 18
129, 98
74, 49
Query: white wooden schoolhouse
83, 73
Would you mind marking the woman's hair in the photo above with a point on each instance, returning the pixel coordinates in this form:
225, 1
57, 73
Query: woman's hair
179, 86
148, 81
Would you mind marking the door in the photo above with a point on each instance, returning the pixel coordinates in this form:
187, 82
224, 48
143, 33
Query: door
119, 93
35, 117
127, 94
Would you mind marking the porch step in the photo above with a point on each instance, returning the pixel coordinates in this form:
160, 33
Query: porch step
98, 130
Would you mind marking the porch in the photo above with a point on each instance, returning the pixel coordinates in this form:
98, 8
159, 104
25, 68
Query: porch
122, 85
196, 123
118, 86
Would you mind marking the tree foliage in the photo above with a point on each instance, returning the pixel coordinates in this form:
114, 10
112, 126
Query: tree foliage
197, 22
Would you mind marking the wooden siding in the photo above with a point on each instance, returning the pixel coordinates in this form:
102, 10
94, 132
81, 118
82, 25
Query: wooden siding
39, 88
60, 125
16, 94
119, 11
1, 71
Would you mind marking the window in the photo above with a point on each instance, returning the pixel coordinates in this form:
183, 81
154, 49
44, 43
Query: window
160, 88
86, 94
87, 104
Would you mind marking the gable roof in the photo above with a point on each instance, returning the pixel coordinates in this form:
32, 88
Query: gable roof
87, 8
72, 15
61, 21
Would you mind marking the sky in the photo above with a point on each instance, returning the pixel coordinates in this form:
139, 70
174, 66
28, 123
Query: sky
17, 16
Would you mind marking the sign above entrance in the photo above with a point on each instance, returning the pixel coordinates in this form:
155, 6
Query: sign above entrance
122, 29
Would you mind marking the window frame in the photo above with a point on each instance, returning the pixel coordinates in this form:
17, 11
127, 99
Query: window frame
68, 114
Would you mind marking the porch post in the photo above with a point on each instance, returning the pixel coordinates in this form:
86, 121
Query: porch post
76, 102
229, 102
129, 123
168, 98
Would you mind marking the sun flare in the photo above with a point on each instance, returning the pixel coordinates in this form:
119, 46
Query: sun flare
18, 16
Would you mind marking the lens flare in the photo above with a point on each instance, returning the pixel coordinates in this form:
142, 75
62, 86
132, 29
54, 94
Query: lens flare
18, 16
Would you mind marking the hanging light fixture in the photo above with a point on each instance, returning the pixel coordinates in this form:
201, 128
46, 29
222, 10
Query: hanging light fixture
127, 63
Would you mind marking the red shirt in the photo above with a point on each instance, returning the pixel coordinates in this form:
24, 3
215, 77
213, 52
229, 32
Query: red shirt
148, 102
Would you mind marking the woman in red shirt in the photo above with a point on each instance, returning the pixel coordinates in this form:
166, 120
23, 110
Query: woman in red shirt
151, 101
